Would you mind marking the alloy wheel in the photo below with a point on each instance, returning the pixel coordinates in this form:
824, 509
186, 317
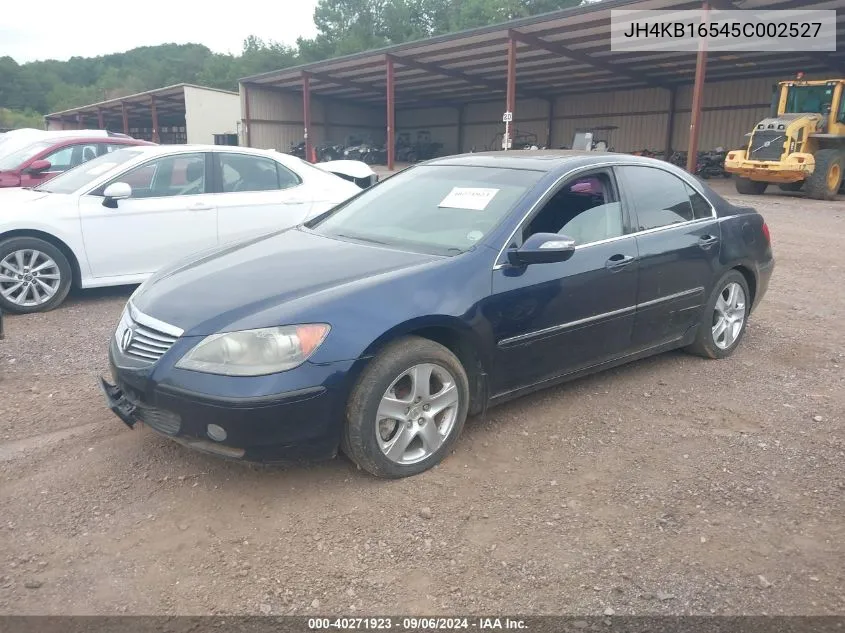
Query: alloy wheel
728, 315
29, 277
417, 413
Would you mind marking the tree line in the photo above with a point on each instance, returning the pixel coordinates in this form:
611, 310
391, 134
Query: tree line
27, 91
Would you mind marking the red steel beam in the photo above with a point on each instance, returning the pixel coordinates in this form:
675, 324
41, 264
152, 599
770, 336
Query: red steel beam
80, 121
100, 122
391, 114
125, 116
697, 96
156, 137
306, 114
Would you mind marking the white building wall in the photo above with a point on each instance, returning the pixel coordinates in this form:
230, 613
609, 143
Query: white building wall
210, 112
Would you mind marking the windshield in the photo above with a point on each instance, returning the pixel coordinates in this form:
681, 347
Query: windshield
809, 99
16, 158
437, 209
86, 173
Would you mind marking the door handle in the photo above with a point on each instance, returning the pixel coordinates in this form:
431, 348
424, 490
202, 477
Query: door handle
199, 206
618, 262
706, 241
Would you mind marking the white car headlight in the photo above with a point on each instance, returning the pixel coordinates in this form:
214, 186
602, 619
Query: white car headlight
255, 352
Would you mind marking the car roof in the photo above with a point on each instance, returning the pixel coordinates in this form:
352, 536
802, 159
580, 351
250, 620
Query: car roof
190, 148
76, 140
539, 160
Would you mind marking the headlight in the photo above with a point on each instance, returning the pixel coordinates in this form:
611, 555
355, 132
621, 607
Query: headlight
255, 352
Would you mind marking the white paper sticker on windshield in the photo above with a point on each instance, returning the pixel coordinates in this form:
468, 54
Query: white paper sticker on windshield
99, 170
474, 198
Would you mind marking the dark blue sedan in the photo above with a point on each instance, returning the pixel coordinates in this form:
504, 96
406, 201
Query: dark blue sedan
457, 284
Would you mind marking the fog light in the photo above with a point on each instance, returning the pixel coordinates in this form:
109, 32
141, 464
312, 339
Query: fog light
216, 433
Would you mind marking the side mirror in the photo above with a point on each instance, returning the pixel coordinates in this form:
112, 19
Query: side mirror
39, 166
542, 248
114, 192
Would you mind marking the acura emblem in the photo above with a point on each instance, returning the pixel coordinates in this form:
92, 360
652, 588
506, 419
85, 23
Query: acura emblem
767, 143
126, 339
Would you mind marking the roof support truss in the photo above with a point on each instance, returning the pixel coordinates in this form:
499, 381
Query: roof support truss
563, 51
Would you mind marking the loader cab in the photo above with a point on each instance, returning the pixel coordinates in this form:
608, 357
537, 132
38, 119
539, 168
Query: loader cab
815, 97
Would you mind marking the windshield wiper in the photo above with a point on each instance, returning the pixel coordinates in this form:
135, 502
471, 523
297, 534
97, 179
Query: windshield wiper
360, 238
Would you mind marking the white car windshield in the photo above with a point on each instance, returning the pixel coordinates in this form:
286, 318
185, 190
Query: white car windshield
86, 173
440, 209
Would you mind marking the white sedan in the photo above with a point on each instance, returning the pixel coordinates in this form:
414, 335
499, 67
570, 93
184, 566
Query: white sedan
120, 217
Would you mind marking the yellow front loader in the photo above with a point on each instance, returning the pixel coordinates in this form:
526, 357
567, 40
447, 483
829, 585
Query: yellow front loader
801, 146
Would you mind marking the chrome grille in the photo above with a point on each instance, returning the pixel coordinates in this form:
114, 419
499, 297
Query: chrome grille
773, 151
143, 337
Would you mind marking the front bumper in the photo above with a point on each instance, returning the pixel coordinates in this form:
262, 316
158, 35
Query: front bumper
299, 423
794, 168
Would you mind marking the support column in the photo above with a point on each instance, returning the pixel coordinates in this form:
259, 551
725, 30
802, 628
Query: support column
80, 121
510, 98
391, 114
697, 96
247, 126
100, 123
156, 137
306, 116
461, 118
125, 115
550, 134
670, 122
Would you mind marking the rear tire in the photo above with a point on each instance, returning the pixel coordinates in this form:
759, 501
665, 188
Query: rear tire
374, 441
792, 186
750, 187
824, 182
724, 318
44, 270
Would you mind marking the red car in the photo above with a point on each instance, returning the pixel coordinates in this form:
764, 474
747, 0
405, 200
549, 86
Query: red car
46, 158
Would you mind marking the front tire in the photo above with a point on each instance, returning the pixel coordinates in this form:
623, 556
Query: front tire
824, 182
35, 276
724, 318
407, 409
750, 187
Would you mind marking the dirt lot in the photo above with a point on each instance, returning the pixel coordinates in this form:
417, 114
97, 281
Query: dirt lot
673, 485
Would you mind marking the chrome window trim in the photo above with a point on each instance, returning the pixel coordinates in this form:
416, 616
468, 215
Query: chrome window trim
597, 317
684, 179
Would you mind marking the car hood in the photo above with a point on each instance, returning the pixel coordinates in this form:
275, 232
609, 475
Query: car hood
18, 196
237, 286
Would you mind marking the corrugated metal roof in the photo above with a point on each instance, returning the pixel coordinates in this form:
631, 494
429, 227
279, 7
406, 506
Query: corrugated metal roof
559, 53
169, 99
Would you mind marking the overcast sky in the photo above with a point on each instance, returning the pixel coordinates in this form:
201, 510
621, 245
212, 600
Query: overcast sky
57, 29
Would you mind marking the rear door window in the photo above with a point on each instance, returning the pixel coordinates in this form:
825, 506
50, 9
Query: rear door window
661, 199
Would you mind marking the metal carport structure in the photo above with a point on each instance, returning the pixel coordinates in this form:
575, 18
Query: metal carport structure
548, 56
144, 114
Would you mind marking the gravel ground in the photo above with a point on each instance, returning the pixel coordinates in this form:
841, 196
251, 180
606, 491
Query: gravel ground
673, 485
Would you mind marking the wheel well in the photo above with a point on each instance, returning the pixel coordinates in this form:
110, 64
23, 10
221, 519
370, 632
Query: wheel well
64, 248
462, 347
751, 280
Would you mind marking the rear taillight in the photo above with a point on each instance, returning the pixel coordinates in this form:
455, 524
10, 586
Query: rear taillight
766, 233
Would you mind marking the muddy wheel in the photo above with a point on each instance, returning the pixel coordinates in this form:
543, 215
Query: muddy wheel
824, 182
407, 409
724, 318
750, 187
